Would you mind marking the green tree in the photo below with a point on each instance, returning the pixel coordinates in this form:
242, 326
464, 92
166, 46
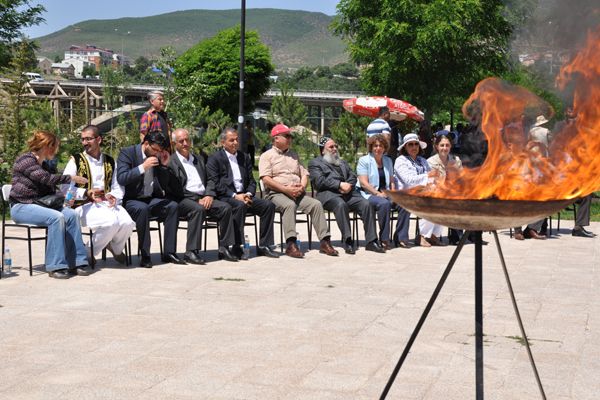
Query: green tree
287, 109
425, 52
213, 67
89, 70
349, 133
15, 15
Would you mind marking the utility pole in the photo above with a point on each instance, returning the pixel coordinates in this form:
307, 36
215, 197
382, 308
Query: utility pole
242, 64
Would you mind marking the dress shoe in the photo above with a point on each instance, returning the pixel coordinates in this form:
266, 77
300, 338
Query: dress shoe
192, 257
238, 252
172, 258
349, 248
121, 258
82, 270
326, 248
582, 233
146, 262
59, 274
403, 244
586, 231
519, 236
292, 250
423, 241
435, 241
386, 245
532, 234
225, 254
267, 252
375, 247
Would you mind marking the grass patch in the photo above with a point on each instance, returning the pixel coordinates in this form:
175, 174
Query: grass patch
220, 278
519, 339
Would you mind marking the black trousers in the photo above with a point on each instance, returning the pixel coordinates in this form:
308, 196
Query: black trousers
264, 209
141, 210
194, 213
341, 207
583, 212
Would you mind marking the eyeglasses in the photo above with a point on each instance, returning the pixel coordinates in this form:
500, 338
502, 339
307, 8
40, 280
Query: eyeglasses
88, 139
155, 149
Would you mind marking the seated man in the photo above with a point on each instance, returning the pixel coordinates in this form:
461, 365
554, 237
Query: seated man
98, 201
195, 195
230, 172
142, 170
285, 180
334, 181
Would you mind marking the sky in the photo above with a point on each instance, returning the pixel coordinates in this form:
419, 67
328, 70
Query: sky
62, 13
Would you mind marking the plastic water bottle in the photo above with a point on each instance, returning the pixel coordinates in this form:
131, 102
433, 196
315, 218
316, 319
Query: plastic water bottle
246, 246
298, 241
70, 194
7, 261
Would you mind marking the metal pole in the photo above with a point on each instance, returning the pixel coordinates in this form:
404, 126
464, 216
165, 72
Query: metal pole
478, 316
434, 296
242, 64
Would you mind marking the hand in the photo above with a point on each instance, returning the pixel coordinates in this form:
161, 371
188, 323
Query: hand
295, 191
248, 199
80, 180
240, 197
112, 200
206, 202
434, 173
381, 194
150, 162
164, 157
345, 187
96, 195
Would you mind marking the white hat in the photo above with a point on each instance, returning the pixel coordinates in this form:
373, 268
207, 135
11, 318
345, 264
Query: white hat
540, 120
412, 137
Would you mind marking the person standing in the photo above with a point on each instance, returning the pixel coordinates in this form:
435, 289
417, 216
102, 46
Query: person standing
195, 194
142, 170
335, 182
285, 180
230, 172
156, 118
98, 200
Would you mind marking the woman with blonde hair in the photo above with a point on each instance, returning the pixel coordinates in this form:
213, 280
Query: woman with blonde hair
31, 180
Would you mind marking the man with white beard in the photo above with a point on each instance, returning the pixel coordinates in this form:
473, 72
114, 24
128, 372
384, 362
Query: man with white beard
334, 181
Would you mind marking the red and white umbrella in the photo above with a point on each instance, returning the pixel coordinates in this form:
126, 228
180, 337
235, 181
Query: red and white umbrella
369, 107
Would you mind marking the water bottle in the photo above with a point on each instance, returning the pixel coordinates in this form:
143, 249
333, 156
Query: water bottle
246, 246
70, 194
298, 241
7, 261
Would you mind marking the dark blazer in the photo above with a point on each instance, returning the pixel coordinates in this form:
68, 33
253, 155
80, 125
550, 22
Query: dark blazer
177, 188
129, 176
221, 176
325, 179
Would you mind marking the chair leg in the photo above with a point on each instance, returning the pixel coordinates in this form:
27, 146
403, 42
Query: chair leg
160, 243
29, 249
309, 227
255, 230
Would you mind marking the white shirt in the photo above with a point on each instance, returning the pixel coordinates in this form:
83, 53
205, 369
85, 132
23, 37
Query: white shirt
235, 168
194, 182
97, 171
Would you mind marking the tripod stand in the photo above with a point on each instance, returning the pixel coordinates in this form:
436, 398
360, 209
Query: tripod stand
478, 315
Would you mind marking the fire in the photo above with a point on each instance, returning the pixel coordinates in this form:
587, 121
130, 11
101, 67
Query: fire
518, 169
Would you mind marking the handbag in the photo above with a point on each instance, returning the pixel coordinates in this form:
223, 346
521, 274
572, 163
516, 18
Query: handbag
54, 201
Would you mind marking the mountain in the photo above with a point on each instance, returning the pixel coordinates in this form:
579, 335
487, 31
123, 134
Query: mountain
296, 38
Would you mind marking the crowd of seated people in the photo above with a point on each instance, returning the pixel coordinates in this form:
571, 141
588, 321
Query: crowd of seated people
162, 179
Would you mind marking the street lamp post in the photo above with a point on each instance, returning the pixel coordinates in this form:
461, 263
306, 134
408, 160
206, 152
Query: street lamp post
242, 63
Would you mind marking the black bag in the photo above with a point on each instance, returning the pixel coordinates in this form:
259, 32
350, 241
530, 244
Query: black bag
54, 201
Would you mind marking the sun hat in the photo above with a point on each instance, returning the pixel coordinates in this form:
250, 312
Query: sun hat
540, 120
279, 129
412, 137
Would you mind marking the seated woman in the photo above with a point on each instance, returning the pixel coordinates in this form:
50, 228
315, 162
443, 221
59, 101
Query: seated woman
444, 162
413, 170
65, 251
375, 174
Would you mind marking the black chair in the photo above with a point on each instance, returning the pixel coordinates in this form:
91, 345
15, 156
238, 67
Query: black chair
29, 227
152, 229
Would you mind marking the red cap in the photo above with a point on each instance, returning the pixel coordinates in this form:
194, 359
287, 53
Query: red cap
279, 129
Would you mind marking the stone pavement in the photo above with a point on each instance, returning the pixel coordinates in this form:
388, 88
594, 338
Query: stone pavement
320, 328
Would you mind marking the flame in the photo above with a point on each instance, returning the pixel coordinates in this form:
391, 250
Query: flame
518, 169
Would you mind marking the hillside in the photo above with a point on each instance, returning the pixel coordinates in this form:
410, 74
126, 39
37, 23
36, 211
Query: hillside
295, 38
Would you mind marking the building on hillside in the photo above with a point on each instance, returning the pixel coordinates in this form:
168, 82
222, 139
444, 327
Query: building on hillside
90, 53
44, 65
78, 64
63, 69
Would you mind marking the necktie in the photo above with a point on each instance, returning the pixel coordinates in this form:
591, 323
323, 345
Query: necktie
148, 182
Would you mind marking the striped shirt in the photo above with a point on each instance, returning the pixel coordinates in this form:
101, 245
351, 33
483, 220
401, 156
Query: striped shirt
378, 126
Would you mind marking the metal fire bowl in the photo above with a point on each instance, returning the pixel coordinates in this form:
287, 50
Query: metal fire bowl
478, 215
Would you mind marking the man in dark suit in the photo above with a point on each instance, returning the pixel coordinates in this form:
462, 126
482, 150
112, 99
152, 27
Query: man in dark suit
230, 171
334, 181
196, 197
142, 170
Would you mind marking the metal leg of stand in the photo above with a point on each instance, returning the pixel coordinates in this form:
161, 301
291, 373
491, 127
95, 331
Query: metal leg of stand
478, 316
518, 314
434, 296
